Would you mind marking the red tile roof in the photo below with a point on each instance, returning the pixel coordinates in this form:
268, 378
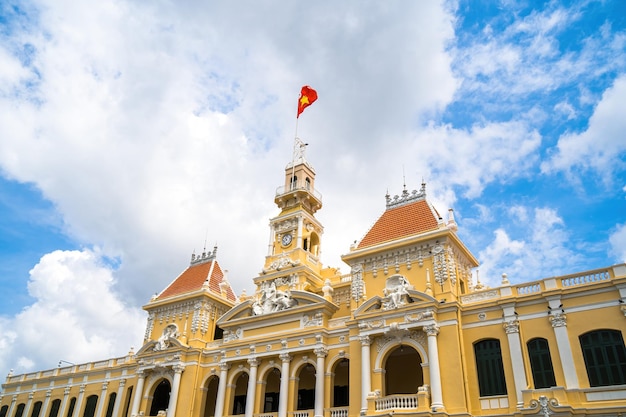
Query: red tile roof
194, 277
401, 221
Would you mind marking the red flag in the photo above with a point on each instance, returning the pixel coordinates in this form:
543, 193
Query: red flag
307, 97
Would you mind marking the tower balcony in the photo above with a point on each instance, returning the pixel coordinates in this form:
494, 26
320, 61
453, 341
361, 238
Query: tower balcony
301, 191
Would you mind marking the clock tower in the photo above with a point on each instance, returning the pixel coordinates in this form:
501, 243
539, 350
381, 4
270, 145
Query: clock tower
295, 234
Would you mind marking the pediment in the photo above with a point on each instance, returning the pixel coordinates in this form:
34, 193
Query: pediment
158, 346
260, 309
412, 300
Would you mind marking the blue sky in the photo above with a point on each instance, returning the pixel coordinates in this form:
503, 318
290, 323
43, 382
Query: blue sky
133, 134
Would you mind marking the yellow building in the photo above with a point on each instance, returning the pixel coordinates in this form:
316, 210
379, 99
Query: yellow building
405, 332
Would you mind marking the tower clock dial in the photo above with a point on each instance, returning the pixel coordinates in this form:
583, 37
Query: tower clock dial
286, 239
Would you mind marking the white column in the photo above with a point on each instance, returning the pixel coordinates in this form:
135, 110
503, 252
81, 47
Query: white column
221, 389
46, 402
270, 245
79, 402
284, 385
171, 406
517, 360
366, 379
436, 400
321, 353
137, 400
66, 393
251, 394
118, 398
103, 397
559, 323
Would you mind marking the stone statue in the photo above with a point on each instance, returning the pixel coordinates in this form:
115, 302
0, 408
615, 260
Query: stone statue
272, 300
396, 294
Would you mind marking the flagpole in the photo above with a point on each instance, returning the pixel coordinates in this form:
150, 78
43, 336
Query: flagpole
293, 157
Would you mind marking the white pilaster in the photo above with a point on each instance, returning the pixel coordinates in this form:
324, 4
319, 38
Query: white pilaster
46, 402
559, 324
511, 326
103, 397
118, 397
66, 393
79, 401
28, 404
366, 381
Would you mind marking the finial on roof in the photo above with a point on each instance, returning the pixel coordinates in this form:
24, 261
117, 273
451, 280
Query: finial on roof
405, 198
206, 256
451, 222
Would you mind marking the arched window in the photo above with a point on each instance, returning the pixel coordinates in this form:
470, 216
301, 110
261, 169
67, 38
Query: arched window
129, 396
211, 396
306, 388
403, 371
294, 182
4, 410
90, 406
111, 404
489, 368
36, 409
70, 409
241, 391
307, 182
272, 391
605, 357
161, 397
341, 384
54, 408
20, 410
541, 363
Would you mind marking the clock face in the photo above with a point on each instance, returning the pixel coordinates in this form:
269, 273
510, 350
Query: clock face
286, 240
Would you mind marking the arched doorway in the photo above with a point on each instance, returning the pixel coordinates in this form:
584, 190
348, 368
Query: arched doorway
403, 371
161, 397
306, 387
211, 396
240, 393
272, 391
341, 383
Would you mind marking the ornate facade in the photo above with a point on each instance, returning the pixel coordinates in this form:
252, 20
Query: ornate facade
407, 332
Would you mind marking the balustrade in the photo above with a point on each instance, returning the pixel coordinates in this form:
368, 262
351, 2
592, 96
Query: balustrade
398, 402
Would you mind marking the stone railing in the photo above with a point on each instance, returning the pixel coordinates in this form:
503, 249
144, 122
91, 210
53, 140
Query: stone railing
397, 402
339, 412
537, 287
300, 413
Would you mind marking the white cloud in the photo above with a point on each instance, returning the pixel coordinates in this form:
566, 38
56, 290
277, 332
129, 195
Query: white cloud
600, 147
617, 239
540, 244
76, 315
499, 152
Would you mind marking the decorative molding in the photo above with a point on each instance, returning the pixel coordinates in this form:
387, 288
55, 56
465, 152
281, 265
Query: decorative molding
558, 319
271, 300
511, 326
543, 403
480, 296
233, 335
315, 319
423, 315
357, 285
